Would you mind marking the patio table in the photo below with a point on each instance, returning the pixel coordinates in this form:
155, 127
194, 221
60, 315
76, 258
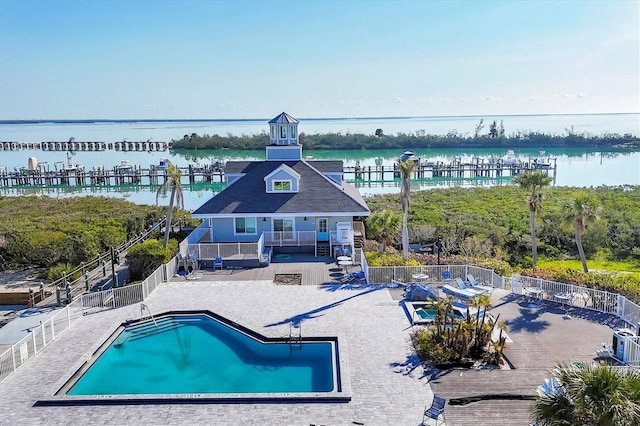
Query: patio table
564, 297
345, 265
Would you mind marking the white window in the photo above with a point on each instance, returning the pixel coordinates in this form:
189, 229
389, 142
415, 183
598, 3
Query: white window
282, 185
245, 225
293, 132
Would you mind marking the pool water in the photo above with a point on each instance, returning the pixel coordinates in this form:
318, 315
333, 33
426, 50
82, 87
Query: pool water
198, 354
427, 313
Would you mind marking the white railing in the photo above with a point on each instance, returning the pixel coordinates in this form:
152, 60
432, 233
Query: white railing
387, 274
584, 298
209, 251
289, 238
41, 336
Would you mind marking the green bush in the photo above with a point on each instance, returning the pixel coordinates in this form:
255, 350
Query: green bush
56, 272
144, 258
375, 258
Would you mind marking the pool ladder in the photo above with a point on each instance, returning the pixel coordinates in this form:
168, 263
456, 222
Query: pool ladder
295, 340
142, 308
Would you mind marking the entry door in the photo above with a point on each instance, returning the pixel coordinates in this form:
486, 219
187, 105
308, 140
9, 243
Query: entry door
323, 229
283, 229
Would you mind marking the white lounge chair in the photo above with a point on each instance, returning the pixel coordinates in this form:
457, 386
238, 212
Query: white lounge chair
474, 284
463, 286
458, 292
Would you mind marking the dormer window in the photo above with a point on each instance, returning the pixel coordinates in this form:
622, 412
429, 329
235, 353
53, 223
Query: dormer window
283, 132
282, 185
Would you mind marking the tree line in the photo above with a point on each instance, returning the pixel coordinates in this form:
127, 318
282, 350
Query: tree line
494, 138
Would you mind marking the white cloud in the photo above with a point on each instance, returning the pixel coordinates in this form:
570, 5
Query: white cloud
563, 95
581, 95
397, 100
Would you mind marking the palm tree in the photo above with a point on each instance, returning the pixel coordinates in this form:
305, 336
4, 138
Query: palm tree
406, 167
533, 182
171, 183
384, 224
582, 210
589, 395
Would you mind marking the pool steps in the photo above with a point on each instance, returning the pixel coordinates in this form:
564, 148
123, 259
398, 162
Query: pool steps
142, 330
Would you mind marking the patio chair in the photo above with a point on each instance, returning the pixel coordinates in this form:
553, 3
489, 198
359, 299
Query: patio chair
474, 284
217, 263
446, 276
435, 410
463, 286
458, 292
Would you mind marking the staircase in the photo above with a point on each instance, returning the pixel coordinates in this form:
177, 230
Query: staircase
324, 249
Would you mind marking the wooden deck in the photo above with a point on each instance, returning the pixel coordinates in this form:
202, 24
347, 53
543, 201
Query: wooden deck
314, 270
540, 340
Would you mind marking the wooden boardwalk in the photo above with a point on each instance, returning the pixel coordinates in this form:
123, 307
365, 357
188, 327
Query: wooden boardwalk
540, 340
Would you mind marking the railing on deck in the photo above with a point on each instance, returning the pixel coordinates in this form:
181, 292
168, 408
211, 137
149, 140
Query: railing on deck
289, 238
48, 331
385, 274
209, 251
584, 298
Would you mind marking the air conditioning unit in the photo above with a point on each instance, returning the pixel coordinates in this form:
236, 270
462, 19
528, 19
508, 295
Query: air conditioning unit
622, 338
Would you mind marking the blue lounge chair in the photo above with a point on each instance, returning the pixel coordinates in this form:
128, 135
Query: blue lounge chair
463, 286
446, 276
435, 410
458, 292
475, 284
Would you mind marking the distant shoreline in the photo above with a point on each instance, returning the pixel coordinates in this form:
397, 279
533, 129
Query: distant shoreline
200, 120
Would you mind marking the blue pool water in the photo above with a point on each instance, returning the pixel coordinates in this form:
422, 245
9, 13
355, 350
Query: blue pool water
198, 354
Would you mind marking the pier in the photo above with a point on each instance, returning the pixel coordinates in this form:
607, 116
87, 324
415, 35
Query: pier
122, 174
73, 145
126, 174
478, 168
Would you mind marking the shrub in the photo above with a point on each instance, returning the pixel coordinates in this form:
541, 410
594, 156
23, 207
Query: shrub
55, 272
145, 257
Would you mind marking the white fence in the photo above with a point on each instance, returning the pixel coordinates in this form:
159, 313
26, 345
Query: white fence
289, 238
34, 342
584, 298
209, 251
385, 274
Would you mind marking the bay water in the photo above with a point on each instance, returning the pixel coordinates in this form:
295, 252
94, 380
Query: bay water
575, 167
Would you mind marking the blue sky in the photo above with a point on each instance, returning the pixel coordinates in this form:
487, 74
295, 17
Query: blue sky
252, 59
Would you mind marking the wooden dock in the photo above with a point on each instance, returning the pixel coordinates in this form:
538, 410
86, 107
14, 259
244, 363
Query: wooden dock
540, 339
478, 168
73, 145
123, 174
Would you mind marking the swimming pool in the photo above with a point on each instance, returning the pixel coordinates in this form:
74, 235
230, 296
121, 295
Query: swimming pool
202, 355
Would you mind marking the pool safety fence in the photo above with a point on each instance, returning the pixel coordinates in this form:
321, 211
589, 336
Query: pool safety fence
30, 345
433, 274
569, 295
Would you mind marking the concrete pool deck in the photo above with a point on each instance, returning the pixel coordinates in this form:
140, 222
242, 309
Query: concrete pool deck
387, 382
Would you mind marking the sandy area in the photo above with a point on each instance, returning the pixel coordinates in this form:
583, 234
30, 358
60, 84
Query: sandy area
20, 280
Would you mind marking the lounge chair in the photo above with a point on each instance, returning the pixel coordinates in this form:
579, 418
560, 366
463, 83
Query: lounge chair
463, 286
458, 292
435, 410
217, 263
446, 276
474, 284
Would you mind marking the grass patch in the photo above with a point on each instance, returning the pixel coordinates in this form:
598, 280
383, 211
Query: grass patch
593, 265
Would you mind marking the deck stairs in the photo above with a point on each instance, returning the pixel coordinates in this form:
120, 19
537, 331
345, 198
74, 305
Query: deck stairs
323, 249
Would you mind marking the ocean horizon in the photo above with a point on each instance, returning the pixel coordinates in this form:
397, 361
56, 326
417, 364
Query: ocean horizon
169, 120
158, 130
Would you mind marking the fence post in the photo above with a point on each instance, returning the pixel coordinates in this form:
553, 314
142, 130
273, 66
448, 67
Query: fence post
44, 338
53, 332
104, 268
35, 347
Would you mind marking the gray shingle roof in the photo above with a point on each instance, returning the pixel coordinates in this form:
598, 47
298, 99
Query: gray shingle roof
284, 118
317, 192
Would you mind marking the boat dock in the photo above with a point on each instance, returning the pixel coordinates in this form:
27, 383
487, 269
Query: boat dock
122, 174
478, 168
125, 173
72, 145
